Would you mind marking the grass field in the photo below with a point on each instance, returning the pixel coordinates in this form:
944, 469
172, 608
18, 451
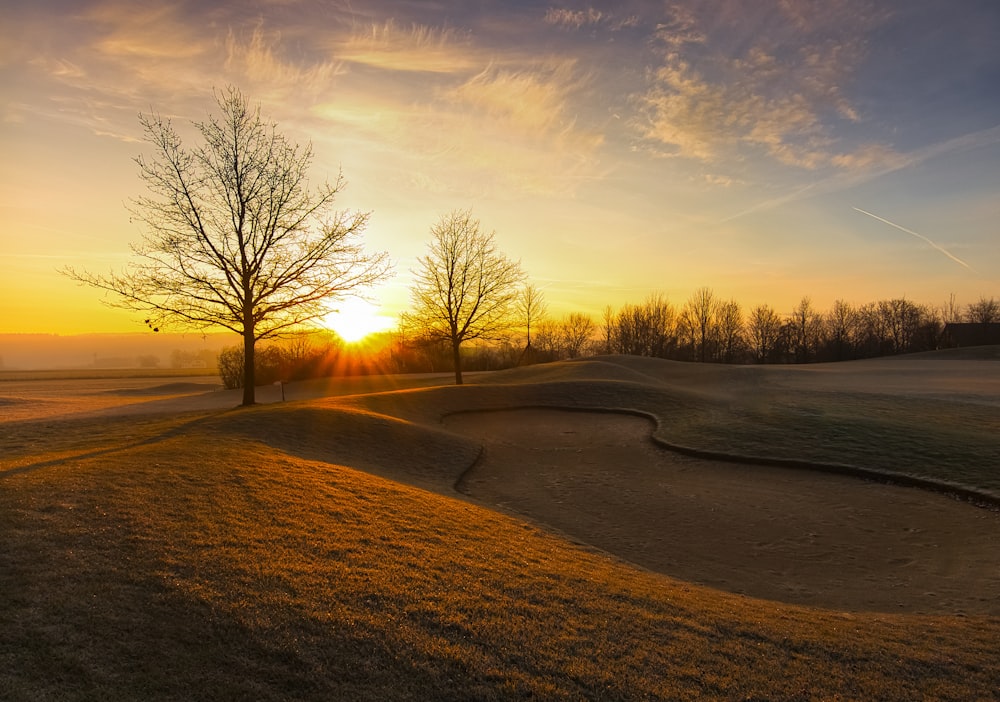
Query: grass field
316, 549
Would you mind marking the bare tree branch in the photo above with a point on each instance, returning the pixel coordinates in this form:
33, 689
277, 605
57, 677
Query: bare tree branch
232, 235
465, 287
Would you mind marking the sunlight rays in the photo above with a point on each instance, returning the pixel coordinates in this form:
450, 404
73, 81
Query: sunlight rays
355, 319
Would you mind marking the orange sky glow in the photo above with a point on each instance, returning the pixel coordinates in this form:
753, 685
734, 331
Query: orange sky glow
767, 150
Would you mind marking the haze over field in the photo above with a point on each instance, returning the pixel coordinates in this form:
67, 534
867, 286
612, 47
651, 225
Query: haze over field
770, 151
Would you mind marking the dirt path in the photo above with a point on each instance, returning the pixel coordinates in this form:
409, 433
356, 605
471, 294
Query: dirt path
780, 534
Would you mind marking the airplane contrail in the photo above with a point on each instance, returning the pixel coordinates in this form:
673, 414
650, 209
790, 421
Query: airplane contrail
947, 253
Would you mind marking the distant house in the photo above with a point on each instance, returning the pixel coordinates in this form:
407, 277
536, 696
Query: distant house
971, 334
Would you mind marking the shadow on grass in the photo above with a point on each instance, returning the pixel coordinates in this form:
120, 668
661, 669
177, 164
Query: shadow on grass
89, 431
145, 639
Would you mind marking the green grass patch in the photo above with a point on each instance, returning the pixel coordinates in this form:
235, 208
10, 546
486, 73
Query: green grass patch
950, 442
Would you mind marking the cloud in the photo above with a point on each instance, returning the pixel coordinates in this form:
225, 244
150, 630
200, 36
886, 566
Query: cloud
256, 62
531, 101
780, 93
717, 180
144, 32
573, 19
58, 68
520, 122
500, 132
874, 158
417, 48
872, 161
114, 60
120, 55
680, 27
578, 19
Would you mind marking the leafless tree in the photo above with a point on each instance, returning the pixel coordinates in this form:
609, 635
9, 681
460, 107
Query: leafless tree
901, 320
699, 315
464, 287
233, 235
647, 329
729, 322
804, 326
950, 311
530, 308
577, 329
608, 317
872, 332
984, 311
548, 340
763, 330
840, 328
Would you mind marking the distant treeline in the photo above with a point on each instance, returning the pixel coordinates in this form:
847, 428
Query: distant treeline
704, 329
709, 329
325, 355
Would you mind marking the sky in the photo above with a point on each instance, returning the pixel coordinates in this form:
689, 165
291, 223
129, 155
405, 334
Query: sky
837, 149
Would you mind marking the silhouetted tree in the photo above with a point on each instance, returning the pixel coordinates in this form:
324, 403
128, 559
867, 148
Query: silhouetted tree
872, 332
699, 317
234, 236
840, 328
530, 307
576, 332
729, 323
900, 319
464, 287
763, 330
950, 311
804, 326
548, 340
608, 317
647, 329
893, 326
983, 311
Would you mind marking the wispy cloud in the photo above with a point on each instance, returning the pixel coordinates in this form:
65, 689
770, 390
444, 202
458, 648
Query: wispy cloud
111, 59
417, 48
780, 95
144, 32
718, 180
573, 19
533, 100
869, 158
874, 161
115, 59
487, 118
255, 61
590, 17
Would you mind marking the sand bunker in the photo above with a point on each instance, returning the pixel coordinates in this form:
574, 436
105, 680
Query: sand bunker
781, 534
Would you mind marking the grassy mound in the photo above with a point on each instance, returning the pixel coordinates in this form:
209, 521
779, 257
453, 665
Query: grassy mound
837, 415
313, 550
376, 443
193, 566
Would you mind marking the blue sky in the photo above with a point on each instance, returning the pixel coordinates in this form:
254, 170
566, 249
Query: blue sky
617, 149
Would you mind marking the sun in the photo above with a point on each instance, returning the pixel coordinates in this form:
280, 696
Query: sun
354, 319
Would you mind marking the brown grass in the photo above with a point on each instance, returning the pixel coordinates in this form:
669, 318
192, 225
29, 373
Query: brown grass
233, 555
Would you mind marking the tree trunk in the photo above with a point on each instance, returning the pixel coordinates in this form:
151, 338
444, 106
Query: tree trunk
457, 359
249, 377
